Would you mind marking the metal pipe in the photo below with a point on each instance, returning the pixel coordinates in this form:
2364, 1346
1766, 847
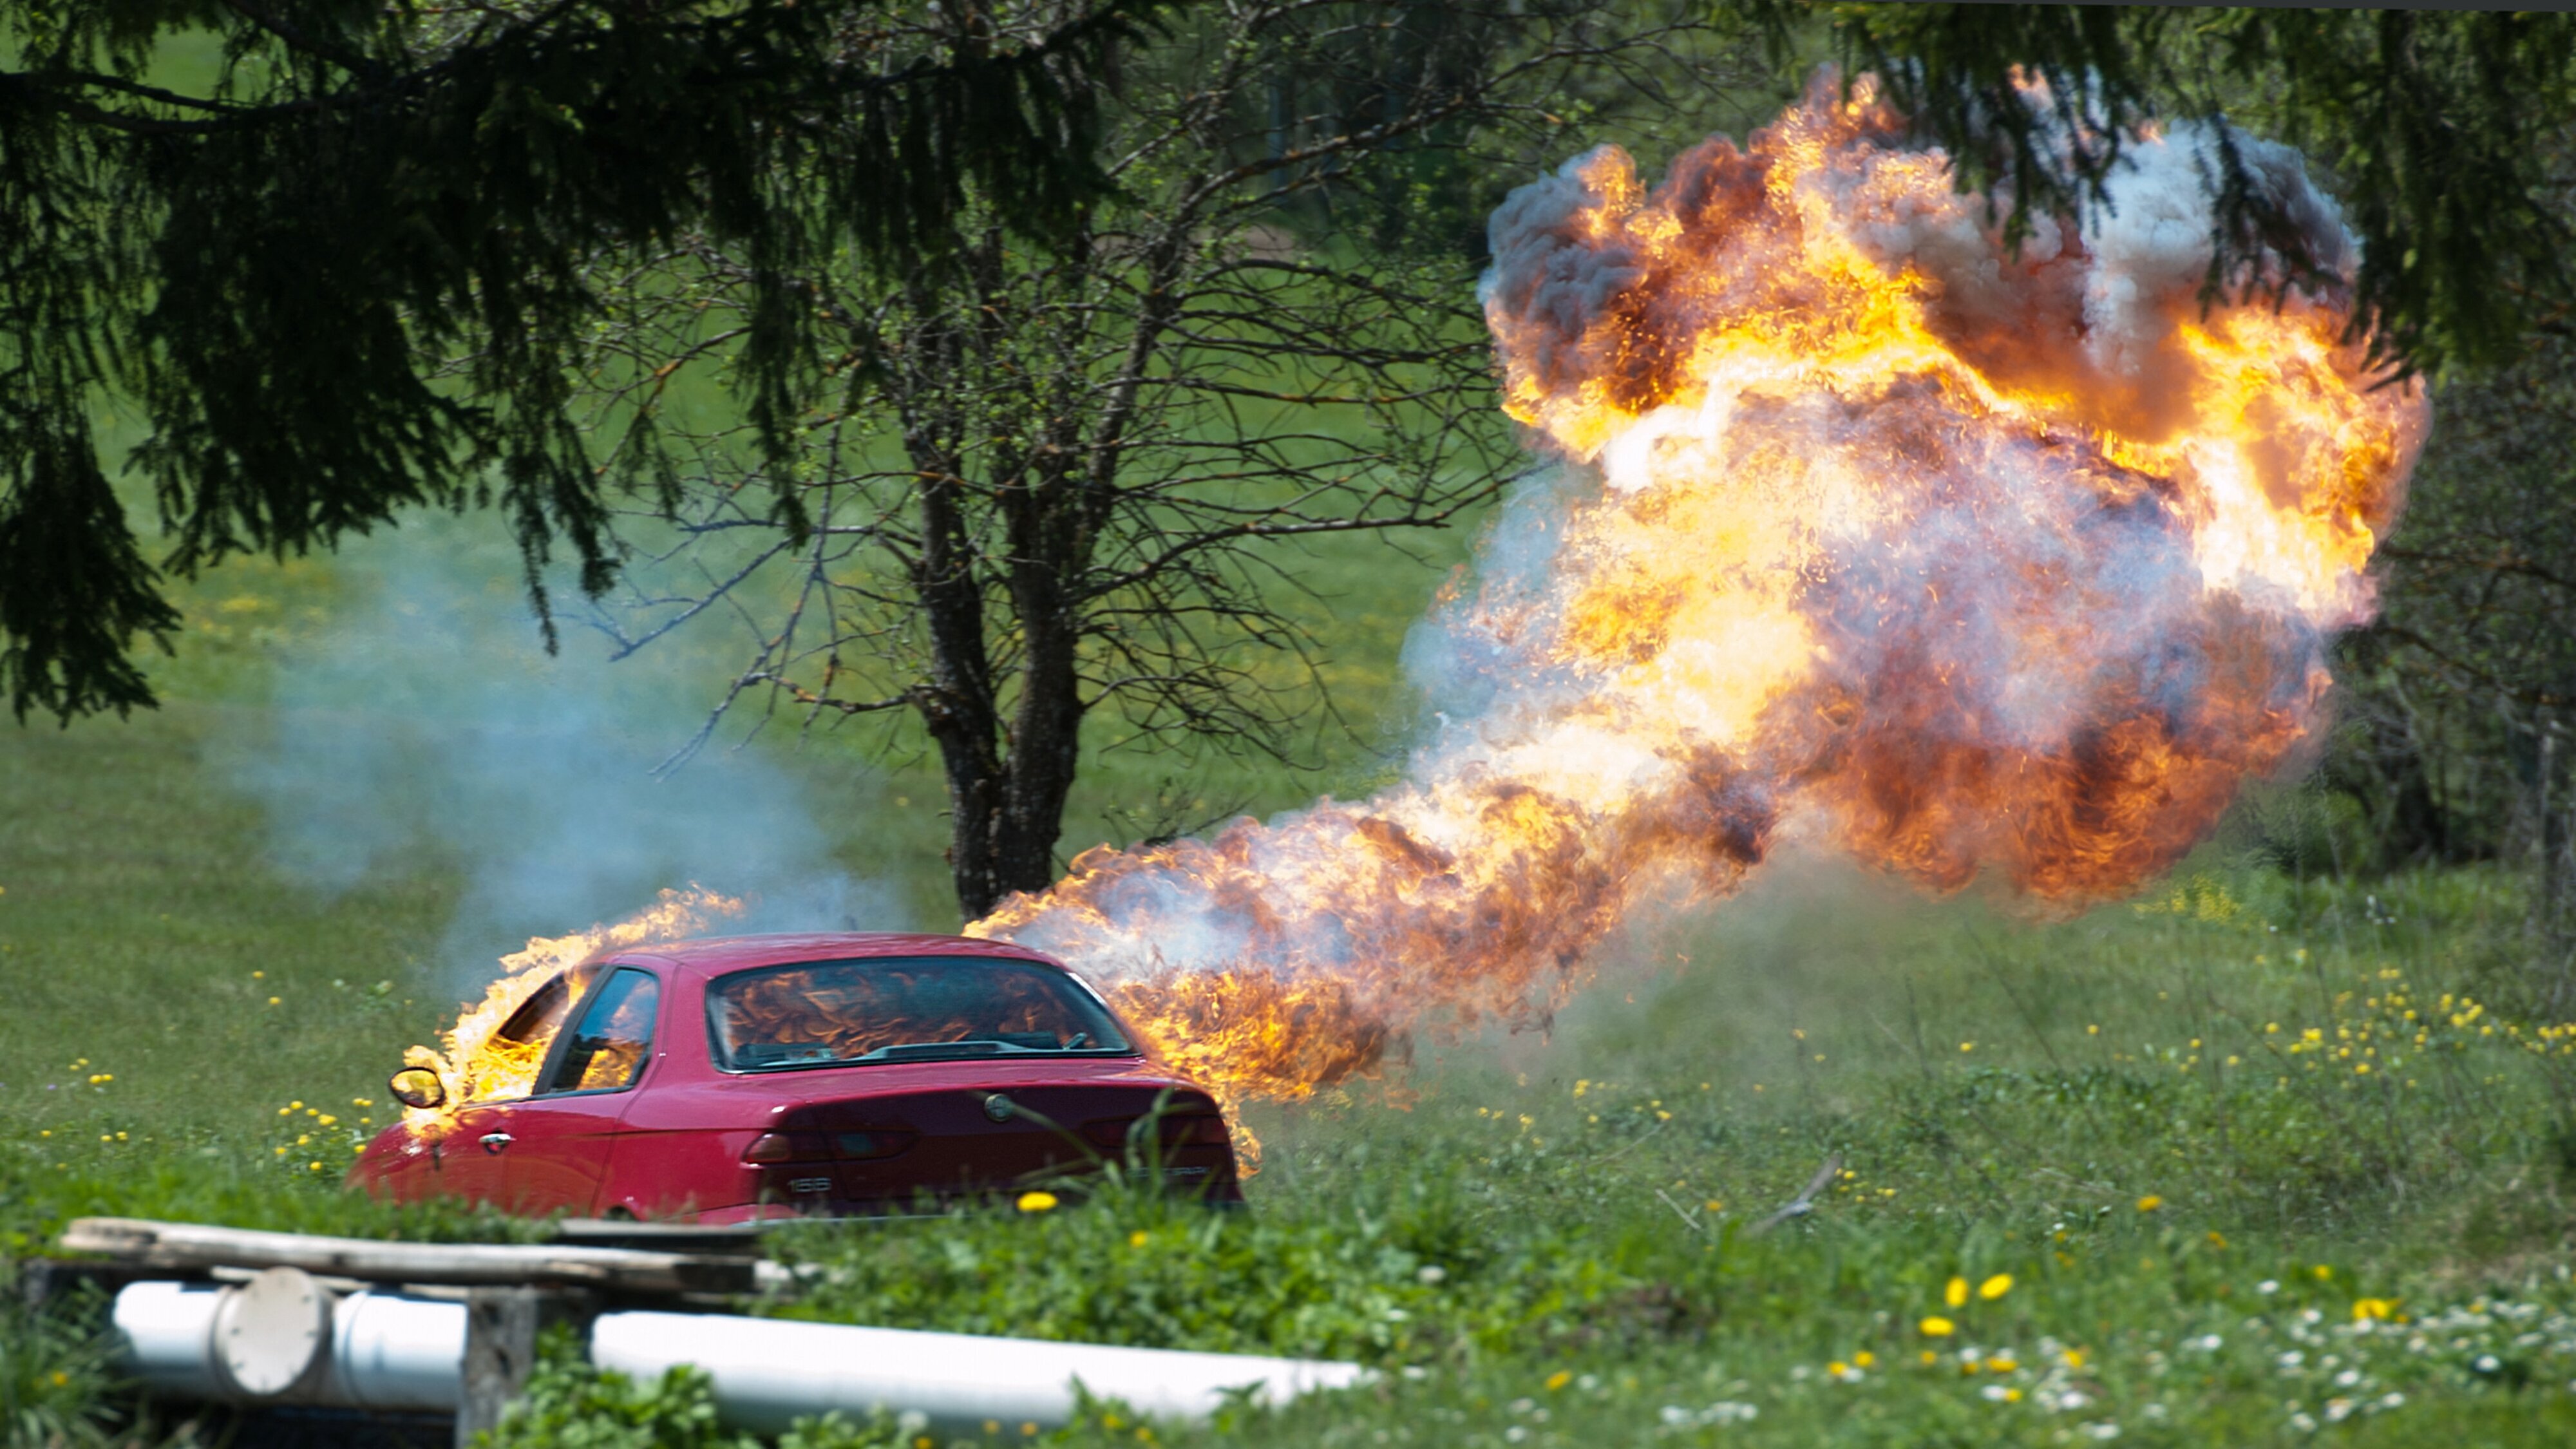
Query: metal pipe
767, 1372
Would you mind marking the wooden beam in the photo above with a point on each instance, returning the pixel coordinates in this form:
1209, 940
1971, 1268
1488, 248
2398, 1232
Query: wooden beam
197, 1246
500, 1352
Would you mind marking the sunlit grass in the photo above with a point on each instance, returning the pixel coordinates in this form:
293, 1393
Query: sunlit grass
2254, 1158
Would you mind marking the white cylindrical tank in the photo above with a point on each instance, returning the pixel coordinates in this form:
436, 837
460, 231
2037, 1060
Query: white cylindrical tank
768, 1372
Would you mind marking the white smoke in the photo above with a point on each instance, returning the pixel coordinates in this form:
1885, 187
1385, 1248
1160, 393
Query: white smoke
425, 728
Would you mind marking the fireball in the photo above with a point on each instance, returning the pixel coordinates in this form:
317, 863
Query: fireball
1972, 561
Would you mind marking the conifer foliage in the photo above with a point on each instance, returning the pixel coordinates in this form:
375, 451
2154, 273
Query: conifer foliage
267, 262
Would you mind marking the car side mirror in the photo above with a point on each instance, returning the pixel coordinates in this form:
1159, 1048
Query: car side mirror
417, 1087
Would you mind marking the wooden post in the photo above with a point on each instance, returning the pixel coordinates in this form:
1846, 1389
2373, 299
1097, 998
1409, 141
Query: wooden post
500, 1352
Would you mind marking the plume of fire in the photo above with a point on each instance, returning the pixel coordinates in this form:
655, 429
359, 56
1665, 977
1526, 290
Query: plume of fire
1968, 561
483, 1063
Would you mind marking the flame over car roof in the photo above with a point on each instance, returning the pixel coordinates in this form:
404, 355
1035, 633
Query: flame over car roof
715, 955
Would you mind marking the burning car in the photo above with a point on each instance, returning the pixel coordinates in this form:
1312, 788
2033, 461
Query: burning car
766, 1076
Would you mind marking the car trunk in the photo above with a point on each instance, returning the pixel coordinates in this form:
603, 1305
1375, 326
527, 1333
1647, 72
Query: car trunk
878, 1152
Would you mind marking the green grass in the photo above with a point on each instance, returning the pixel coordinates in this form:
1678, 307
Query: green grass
1553, 1241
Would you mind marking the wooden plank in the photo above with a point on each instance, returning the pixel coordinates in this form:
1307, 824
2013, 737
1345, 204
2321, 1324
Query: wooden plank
730, 1239
196, 1245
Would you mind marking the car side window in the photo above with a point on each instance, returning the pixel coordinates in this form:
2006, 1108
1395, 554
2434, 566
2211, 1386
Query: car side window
608, 1049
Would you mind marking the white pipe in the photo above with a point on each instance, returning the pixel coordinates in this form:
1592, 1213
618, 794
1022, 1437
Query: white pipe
169, 1335
385, 1352
768, 1372
389, 1352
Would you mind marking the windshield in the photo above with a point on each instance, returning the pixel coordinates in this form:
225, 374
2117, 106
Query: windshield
824, 1013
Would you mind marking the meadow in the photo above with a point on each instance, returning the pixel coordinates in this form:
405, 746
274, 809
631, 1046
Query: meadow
2257, 1157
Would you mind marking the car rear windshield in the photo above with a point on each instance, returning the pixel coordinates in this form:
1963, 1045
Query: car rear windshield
832, 1013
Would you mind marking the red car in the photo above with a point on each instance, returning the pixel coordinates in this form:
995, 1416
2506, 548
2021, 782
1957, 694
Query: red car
768, 1076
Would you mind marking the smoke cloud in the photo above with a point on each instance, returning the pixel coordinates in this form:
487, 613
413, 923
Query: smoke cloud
428, 725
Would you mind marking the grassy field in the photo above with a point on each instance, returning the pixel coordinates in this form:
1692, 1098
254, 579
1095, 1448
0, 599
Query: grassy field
2254, 1159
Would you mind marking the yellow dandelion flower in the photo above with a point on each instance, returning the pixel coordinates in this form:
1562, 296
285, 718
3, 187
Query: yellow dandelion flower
1956, 1294
1865, 1359
1559, 1379
1995, 1287
1967, 1046
1139, 1238
2150, 1203
315, 1166
1937, 1327
1037, 1202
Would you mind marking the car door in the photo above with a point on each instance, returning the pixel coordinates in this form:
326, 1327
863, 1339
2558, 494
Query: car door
465, 1159
559, 1139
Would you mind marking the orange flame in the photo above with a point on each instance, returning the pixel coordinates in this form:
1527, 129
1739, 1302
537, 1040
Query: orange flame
1968, 561
482, 1062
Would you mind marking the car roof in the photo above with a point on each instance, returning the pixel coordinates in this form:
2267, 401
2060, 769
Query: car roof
716, 955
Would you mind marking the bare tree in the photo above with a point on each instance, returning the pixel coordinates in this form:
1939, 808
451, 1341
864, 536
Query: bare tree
1050, 480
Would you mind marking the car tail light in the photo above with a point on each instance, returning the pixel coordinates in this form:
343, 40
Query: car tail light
771, 1147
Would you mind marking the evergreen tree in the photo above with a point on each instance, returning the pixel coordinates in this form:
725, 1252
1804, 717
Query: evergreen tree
271, 260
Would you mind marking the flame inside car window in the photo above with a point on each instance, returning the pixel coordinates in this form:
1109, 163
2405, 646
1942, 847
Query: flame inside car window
902, 1009
506, 1067
615, 1034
